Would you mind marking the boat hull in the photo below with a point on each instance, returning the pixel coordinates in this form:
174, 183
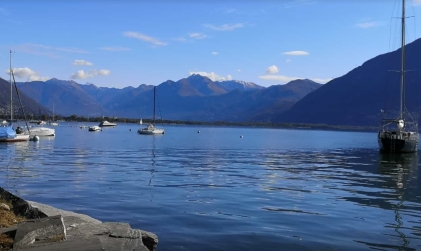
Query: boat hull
94, 129
18, 138
151, 132
388, 145
42, 131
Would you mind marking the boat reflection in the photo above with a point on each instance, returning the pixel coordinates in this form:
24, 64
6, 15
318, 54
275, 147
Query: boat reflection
400, 173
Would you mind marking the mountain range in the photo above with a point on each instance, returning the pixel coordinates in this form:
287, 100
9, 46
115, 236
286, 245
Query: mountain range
193, 98
354, 99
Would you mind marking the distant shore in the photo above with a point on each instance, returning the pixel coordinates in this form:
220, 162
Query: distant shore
75, 118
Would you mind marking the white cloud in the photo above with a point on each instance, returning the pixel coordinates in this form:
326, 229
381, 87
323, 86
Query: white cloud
272, 69
296, 53
28, 73
288, 60
211, 75
214, 53
416, 2
239, 70
89, 74
145, 38
82, 62
286, 79
224, 27
115, 48
198, 36
369, 24
22, 72
37, 78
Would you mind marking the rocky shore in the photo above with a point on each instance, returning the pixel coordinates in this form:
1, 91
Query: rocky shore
49, 228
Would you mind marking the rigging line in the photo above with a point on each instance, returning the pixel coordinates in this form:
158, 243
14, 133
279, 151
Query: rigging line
390, 29
415, 23
159, 108
20, 101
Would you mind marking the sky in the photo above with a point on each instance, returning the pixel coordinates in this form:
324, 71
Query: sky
133, 42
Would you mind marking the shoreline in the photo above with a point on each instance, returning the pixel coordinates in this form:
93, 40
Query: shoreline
49, 228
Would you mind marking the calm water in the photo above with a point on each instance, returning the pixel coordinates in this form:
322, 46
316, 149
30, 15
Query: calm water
271, 190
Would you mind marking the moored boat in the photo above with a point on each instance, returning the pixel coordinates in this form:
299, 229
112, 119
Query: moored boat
94, 128
151, 129
399, 135
105, 123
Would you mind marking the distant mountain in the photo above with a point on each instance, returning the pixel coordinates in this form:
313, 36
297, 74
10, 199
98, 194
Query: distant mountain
357, 97
231, 85
238, 105
68, 97
31, 106
193, 98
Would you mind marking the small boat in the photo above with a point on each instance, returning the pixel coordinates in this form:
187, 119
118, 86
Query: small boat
151, 129
7, 132
140, 122
4, 123
52, 123
106, 124
41, 122
399, 135
94, 129
42, 131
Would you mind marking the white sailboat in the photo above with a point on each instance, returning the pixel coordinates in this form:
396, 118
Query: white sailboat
399, 135
151, 129
140, 122
7, 132
52, 123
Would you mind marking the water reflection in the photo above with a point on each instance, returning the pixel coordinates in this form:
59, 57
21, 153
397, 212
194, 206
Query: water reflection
399, 176
153, 161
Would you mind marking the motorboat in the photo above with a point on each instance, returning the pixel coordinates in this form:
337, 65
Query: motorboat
105, 123
42, 131
94, 129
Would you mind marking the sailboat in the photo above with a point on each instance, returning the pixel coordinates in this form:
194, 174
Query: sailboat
7, 132
151, 129
52, 123
140, 122
399, 135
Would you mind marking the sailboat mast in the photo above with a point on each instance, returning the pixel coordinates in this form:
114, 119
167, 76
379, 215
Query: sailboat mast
11, 89
154, 98
403, 63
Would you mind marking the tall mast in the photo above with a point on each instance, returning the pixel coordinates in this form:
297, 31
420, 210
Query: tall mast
403, 63
154, 97
11, 89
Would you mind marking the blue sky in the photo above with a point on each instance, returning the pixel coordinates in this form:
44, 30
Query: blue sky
128, 43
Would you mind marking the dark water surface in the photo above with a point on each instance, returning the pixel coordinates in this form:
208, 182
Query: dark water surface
271, 190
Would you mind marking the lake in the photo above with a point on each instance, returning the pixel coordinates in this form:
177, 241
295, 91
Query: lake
273, 189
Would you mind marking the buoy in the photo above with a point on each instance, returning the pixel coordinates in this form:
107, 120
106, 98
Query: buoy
241, 136
130, 129
198, 131
35, 138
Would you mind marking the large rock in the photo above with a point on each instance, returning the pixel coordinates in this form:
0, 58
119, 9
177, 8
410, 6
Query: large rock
39, 232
